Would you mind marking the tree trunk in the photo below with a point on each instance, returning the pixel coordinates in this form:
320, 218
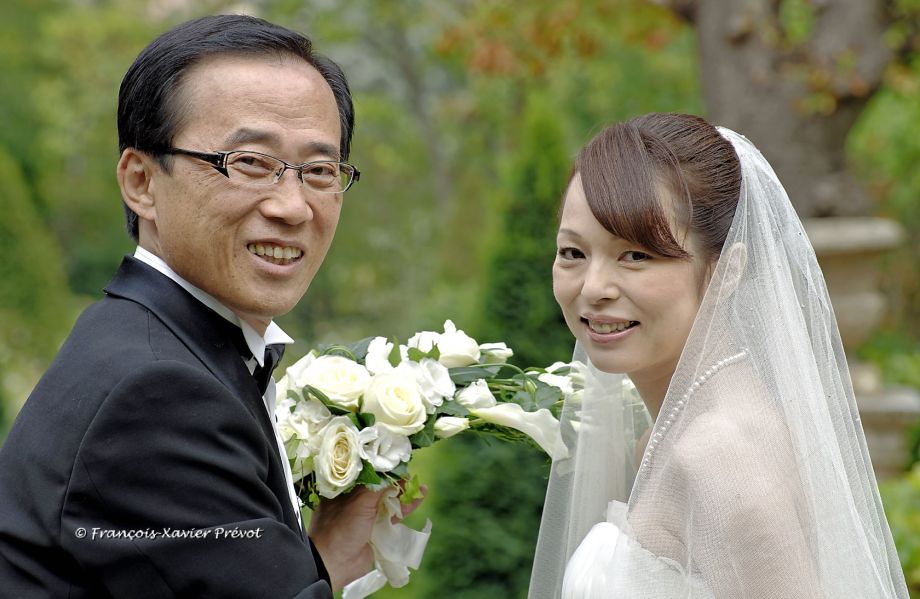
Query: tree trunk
796, 99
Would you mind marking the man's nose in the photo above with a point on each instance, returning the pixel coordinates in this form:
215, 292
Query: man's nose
290, 200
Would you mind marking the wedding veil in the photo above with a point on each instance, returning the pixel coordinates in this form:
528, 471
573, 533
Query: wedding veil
756, 480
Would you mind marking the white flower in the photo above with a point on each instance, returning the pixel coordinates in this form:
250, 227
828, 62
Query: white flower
556, 366
433, 380
378, 356
495, 353
295, 371
339, 460
383, 448
456, 347
394, 400
477, 395
541, 426
561, 382
300, 425
448, 426
342, 380
424, 341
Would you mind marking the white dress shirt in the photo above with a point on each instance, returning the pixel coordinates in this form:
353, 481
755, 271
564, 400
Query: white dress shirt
256, 344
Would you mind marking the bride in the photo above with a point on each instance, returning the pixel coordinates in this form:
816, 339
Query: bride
716, 450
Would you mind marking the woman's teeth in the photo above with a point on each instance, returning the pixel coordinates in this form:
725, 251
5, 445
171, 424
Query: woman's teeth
605, 328
275, 254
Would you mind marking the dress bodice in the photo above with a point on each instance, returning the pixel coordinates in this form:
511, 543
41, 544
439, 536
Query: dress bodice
608, 564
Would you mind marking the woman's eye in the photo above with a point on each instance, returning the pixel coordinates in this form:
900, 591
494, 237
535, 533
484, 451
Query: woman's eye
570, 253
635, 256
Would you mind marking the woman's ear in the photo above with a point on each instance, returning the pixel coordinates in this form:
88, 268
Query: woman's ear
135, 178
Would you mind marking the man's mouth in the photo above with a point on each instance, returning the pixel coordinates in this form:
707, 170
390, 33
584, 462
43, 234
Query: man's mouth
276, 254
605, 328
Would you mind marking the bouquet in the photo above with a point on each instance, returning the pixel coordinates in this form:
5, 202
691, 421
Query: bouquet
352, 415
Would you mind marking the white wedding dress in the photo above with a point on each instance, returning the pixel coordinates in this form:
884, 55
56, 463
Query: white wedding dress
608, 564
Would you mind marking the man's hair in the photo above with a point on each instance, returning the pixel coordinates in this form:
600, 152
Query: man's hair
149, 115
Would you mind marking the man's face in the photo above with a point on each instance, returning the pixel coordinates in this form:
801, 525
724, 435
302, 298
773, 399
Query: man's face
210, 230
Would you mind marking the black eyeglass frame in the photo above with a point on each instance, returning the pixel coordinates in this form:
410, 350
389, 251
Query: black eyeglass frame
219, 161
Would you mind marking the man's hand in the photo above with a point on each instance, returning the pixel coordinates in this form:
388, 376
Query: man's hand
341, 530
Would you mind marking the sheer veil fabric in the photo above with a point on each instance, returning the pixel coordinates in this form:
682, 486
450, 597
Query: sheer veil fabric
756, 481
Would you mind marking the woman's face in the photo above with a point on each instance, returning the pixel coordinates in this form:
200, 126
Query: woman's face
631, 310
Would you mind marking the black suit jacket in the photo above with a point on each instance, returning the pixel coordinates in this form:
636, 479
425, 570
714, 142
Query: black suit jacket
144, 464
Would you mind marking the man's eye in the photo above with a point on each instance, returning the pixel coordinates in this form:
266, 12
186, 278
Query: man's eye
321, 171
252, 163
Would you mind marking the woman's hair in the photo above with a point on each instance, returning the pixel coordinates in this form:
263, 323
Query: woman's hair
630, 169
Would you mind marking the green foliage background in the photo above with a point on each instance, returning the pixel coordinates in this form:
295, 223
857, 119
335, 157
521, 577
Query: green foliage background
469, 117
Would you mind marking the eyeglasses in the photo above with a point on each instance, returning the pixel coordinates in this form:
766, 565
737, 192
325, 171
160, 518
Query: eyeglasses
255, 168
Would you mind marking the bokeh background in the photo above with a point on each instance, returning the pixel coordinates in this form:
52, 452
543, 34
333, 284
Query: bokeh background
469, 115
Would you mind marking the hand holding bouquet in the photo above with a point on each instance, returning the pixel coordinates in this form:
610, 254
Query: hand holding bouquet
351, 415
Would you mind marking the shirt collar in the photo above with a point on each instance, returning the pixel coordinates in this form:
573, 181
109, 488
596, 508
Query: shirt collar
256, 342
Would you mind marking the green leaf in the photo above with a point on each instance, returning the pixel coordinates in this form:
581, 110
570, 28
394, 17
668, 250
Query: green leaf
366, 419
452, 408
416, 355
324, 399
547, 395
401, 470
395, 357
412, 490
338, 350
424, 437
435, 353
368, 476
354, 420
359, 349
466, 375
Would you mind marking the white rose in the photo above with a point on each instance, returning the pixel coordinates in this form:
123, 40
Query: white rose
477, 395
342, 380
339, 460
300, 425
378, 356
394, 400
541, 426
295, 371
495, 353
448, 426
456, 347
423, 341
383, 448
433, 382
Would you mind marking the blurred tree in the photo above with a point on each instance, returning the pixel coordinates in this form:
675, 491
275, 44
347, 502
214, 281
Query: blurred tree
34, 296
794, 75
486, 512
82, 53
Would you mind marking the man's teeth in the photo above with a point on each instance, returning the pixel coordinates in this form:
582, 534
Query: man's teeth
610, 327
275, 254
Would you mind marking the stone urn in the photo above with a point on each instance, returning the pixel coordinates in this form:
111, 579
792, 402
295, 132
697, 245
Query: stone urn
848, 250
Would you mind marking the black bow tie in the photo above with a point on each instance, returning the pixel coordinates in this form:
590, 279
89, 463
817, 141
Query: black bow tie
263, 373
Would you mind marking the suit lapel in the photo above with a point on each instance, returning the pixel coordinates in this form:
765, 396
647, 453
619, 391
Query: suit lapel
213, 340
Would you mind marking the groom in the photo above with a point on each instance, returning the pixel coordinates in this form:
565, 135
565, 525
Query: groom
146, 462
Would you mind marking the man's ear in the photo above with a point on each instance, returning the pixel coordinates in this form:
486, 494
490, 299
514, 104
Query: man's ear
735, 259
135, 178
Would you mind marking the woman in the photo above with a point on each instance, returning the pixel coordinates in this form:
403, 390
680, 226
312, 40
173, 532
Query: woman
698, 305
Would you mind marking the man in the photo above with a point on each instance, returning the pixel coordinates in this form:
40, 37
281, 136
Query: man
145, 463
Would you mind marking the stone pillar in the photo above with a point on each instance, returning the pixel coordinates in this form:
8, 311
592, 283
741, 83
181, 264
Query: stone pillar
848, 250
